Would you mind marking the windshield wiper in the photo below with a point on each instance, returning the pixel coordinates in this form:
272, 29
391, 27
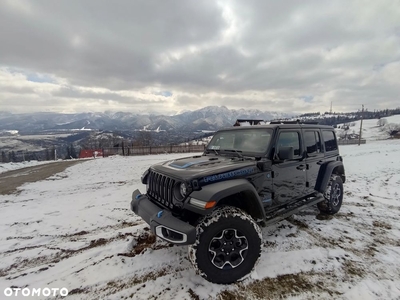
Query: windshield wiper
209, 150
238, 152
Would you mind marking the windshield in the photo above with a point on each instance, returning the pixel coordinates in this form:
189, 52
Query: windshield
244, 140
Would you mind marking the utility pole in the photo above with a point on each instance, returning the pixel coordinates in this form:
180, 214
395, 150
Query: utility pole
331, 108
359, 137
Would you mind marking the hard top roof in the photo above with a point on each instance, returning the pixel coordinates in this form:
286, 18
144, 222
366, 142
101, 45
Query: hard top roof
283, 126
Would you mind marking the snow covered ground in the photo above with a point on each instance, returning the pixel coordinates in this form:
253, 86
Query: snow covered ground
4, 167
75, 230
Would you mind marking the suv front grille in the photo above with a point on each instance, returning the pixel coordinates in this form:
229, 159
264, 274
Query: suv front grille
161, 188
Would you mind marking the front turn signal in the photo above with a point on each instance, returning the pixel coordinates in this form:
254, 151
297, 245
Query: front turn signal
210, 204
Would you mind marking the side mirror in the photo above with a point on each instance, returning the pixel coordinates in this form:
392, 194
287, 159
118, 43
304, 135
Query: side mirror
264, 165
286, 153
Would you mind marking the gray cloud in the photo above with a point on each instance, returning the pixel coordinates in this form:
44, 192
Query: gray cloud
68, 92
260, 54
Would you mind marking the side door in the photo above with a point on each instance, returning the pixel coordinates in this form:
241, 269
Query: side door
314, 157
289, 175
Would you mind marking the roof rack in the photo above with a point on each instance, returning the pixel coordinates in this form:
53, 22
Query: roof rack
250, 121
258, 122
294, 122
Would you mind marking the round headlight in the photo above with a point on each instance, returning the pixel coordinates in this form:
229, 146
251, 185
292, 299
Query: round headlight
183, 189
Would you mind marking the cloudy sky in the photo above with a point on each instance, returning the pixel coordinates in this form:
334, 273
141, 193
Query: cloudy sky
170, 55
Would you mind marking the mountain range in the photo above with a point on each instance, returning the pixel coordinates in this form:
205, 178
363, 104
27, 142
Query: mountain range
207, 118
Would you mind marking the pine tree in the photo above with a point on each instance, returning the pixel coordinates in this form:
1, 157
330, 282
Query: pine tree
72, 151
3, 156
53, 153
48, 154
68, 156
13, 156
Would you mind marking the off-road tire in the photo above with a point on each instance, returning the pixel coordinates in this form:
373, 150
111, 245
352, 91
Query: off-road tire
333, 196
211, 254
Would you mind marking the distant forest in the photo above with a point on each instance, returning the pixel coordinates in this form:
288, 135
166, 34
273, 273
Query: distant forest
338, 118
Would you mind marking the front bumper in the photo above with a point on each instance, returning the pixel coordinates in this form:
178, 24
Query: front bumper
162, 222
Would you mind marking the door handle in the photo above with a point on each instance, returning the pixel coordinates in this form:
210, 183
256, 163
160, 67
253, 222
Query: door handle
301, 167
320, 162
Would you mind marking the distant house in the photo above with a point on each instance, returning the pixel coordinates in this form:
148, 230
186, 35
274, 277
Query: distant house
91, 153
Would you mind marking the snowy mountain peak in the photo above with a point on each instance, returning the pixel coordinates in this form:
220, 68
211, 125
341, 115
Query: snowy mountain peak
206, 118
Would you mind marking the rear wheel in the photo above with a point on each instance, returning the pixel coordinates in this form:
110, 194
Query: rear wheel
227, 247
333, 196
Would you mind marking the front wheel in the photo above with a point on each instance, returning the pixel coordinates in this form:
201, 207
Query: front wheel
227, 247
333, 196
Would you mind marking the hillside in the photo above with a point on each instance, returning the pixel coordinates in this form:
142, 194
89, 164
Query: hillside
32, 134
371, 131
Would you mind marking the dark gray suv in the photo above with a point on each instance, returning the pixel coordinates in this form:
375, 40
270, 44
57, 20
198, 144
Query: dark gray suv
247, 177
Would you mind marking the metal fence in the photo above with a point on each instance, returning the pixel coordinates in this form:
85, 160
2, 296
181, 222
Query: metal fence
51, 154
20, 156
351, 142
149, 150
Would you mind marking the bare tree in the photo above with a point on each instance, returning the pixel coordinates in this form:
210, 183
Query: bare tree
391, 129
382, 122
342, 134
144, 138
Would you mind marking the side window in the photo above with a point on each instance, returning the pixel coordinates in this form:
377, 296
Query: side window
289, 139
312, 142
330, 140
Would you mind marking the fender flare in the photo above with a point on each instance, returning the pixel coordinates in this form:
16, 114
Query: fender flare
325, 173
220, 190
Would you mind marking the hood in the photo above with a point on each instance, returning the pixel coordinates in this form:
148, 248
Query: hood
199, 166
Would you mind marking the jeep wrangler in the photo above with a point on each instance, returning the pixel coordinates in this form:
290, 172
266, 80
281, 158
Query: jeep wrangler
247, 177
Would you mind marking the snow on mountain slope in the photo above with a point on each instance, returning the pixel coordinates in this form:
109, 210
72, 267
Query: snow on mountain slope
75, 230
210, 116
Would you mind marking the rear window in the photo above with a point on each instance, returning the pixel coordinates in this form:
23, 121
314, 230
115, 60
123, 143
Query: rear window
330, 140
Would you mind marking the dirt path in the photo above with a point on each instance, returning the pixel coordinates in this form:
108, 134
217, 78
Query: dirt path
9, 181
